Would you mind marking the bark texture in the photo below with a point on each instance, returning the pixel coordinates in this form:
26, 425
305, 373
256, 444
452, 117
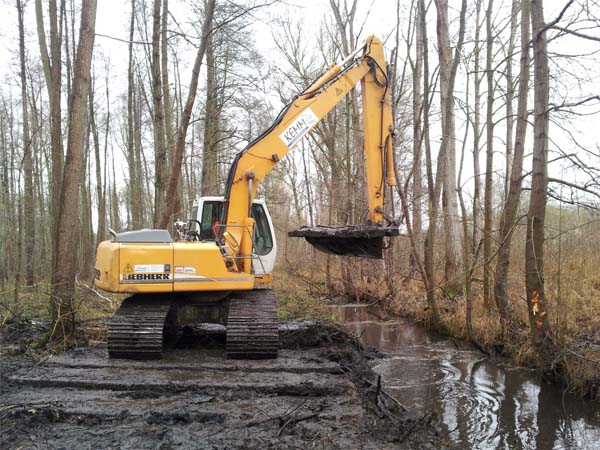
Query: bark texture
51, 62
453, 252
489, 162
29, 210
511, 207
534, 245
65, 262
210, 148
160, 146
135, 186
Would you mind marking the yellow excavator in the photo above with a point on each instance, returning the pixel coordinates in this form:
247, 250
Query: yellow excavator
219, 267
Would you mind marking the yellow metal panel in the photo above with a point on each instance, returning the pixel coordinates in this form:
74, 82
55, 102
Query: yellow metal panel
377, 120
145, 267
199, 266
107, 266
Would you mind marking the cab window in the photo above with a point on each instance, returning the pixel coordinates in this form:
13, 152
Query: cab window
263, 241
194, 225
211, 213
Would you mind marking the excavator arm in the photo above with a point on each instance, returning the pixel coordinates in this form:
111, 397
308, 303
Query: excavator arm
367, 65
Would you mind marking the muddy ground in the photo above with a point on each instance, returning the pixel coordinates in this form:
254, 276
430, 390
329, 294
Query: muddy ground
320, 393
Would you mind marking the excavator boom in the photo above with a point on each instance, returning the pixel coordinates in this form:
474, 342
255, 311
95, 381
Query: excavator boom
368, 67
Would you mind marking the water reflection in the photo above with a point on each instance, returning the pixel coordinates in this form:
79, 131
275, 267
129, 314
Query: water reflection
480, 405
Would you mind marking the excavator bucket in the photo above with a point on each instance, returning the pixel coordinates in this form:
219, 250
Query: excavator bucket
363, 241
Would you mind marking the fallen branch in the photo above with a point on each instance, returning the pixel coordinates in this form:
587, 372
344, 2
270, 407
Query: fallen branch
380, 390
294, 421
110, 302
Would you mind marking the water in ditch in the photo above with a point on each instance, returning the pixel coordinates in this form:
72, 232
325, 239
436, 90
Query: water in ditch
479, 404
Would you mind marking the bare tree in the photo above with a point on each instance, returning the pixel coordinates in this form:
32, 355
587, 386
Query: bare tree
489, 161
476, 134
53, 72
453, 253
534, 245
135, 185
417, 106
65, 261
210, 149
508, 220
29, 209
158, 117
165, 214
101, 200
510, 94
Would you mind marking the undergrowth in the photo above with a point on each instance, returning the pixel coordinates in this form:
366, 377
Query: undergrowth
574, 318
294, 302
26, 325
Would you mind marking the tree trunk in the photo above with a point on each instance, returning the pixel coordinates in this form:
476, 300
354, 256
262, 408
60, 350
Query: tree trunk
417, 105
165, 215
141, 179
164, 51
476, 137
53, 72
534, 245
210, 169
510, 95
453, 254
429, 241
29, 207
86, 234
489, 163
135, 199
511, 207
101, 233
65, 267
160, 150
115, 220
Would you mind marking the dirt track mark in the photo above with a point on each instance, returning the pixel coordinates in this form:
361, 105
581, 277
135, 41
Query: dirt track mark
195, 399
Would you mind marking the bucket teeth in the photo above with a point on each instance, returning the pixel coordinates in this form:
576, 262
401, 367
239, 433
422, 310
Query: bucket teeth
252, 326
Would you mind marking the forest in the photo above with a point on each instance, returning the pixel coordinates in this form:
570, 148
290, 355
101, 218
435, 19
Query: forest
119, 115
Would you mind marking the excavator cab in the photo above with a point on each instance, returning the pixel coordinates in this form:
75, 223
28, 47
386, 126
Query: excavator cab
206, 222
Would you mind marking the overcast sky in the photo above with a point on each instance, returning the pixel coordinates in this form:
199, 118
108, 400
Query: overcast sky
113, 21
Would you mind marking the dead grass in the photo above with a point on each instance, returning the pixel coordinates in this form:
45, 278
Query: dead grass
295, 301
26, 320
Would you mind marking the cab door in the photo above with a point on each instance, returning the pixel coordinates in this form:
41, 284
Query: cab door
265, 246
207, 211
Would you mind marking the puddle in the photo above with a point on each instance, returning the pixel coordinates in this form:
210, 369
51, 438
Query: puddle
480, 404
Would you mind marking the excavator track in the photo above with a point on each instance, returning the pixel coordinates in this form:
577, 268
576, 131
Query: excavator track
139, 328
252, 326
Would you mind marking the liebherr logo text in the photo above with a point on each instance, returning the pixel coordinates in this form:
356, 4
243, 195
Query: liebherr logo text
146, 276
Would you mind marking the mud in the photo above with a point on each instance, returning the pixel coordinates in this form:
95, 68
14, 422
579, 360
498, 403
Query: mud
320, 393
18, 334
